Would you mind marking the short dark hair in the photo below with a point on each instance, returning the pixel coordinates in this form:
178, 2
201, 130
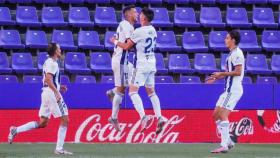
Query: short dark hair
52, 47
128, 8
234, 34
149, 13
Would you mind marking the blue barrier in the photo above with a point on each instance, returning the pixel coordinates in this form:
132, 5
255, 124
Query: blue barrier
172, 96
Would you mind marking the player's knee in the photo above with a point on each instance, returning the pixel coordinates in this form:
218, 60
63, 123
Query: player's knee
150, 91
64, 121
121, 90
133, 89
43, 124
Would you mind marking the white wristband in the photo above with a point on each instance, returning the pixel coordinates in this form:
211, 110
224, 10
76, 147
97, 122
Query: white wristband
116, 42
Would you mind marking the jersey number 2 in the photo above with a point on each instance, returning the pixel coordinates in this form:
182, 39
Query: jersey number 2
151, 45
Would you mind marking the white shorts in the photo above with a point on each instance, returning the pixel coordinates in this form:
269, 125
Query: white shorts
122, 73
228, 100
49, 105
143, 78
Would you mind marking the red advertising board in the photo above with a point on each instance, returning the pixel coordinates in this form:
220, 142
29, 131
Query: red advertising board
184, 126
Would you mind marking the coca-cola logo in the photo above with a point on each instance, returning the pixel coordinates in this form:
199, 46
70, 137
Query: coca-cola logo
275, 128
130, 132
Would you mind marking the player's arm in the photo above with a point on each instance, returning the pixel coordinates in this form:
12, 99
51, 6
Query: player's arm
126, 46
236, 72
49, 81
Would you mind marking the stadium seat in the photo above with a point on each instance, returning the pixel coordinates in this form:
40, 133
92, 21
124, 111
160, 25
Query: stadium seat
237, 18
108, 45
32, 79
161, 18
264, 18
271, 40
247, 80
64, 79
160, 63
256, 64
53, 17
223, 61
205, 63
177, 1
20, 1
193, 41
36, 39
255, 1
229, 1
89, 40
217, 40
107, 79
190, 79
164, 79
79, 17
185, 17
211, 17
8, 79
125, 1
179, 63
65, 39
46, 1
27, 16
5, 17
72, 1
75, 63
98, 1
10, 39
4, 63
166, 42
22, 63
105, 17
275, 63
274, 2
100, 62
42, 57
266, 80
248, 41
85, 79
203, 1
151, 1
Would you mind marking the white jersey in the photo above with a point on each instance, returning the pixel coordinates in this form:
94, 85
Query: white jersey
234, 83
51, 66
145, 40
124, 32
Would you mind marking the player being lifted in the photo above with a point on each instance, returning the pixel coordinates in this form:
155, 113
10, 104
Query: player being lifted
120, 64
233, 89
51, 102
144, 38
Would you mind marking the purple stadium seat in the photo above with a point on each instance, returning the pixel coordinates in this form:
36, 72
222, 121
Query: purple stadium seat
193, 41
247, 80
164, 79
205, 63
185, 17
27, 16
237, 18
42, 57
75, 62
255, 1
178, 1
65, 39
46, 1
229, 1
89, 40
161, 18
100, 62
36, 39
125, 1
204, 1
150, 1
107, 79
217, 40
256, 64
274, 2
53, 17
160, 63
108, 45
10, 39
264, 18
72, 1
98, 1
179, 63
275, 63
266, 80
105, 17
8, 79
223, 61
5, 17
2, 1
4, 63
271, 40
32, 79
85, 79
211, 17
79, 17
249, 41
23, 63
64, 79
20, 1
190, 79
166, 42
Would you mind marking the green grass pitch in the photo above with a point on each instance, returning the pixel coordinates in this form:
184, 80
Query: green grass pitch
139, 151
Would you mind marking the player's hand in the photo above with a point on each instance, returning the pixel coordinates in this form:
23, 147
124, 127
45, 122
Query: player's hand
63, 88
112, 39
217, 75
57, 96
210, 80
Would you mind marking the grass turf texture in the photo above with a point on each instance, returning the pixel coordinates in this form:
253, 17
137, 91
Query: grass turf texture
140, 151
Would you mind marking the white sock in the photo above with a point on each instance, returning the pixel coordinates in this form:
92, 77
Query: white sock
138, 104
218, 124
224, 127
114, 90
61, 134
156, 104
116, 105
28, 126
